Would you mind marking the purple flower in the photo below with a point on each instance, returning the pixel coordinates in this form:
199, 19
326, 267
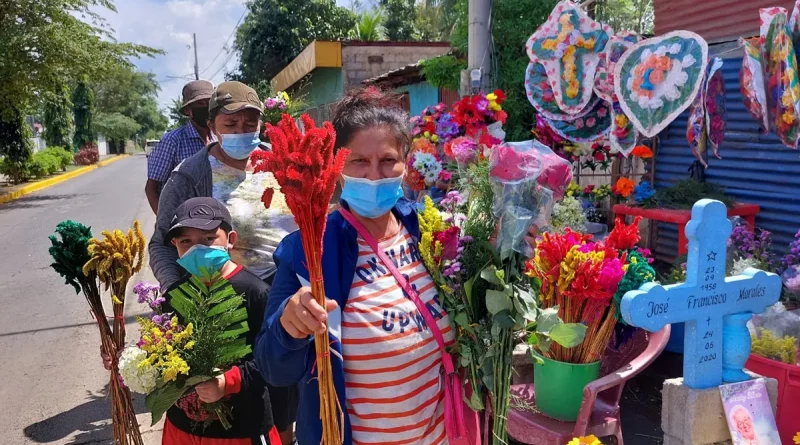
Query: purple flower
482, 105
446, 128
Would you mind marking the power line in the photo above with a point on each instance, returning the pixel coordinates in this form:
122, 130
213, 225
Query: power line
224, 45
224, 64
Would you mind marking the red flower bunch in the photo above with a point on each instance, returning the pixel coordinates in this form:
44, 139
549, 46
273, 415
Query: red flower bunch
475, 113
642, 151
624, 237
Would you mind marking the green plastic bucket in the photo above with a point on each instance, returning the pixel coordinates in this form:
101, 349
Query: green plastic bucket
559, 387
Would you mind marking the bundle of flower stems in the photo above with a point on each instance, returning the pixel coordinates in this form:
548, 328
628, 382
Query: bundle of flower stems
307, 169
71, 254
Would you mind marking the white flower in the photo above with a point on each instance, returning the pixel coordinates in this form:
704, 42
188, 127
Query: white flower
568, 213
428, 166
138, 376
742, 264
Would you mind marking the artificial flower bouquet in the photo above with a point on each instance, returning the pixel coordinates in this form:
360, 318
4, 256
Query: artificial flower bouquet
203, 337
585, 281
481, 116
88, 263
279, 104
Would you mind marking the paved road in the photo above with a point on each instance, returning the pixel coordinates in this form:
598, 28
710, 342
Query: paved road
52, 385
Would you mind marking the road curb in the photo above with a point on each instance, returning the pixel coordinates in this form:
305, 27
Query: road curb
46, 183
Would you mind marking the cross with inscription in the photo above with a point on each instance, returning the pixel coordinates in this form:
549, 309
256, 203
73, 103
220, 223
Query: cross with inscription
706, 301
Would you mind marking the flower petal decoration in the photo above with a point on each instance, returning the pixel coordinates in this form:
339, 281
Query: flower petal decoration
658, 78
588, 128
568, 45
716, 111
751, 82
541, 95
623, 134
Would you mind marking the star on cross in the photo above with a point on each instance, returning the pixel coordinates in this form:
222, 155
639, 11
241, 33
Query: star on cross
712, 256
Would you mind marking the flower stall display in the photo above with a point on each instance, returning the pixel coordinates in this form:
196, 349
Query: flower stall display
782, 76
658, 78
109, 264
623, 188
568, 214
600, 157
565, 148
479, 114
179, 350
569, 45
583, 282
751, 82
426, 124
592, 126
304, 165
644, 193
274, 107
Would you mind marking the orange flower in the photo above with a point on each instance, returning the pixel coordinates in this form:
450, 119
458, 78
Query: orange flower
642, 151
624, 187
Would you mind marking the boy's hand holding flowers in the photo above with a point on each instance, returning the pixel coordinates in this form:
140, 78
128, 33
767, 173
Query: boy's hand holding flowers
212, 390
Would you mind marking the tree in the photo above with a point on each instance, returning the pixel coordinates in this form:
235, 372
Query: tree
369, 27
513, 21
626, 15
116, 127
400, 19
83, 109
58, 117
176, 114
16, 145
130, 93
436, 19
276, 31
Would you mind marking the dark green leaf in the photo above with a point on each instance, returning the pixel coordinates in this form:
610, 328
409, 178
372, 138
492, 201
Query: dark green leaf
547, 320
492, 275
160, 400
497, 301
568, 334
504, 320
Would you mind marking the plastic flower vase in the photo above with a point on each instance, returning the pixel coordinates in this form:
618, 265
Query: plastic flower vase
788, 377
559, 387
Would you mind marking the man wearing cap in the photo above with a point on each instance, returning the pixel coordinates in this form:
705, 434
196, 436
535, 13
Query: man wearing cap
181, 143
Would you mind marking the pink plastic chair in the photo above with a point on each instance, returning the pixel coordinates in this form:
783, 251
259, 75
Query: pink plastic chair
599, 414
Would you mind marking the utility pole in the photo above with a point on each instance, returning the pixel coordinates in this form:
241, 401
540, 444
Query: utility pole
478, 72
196, 66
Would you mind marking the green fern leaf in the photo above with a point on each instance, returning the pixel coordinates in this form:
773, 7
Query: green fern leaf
228, 304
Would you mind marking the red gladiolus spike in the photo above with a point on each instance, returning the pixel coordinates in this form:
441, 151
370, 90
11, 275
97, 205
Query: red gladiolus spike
308, 123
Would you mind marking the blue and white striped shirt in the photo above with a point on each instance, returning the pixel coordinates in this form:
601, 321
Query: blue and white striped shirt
176, 146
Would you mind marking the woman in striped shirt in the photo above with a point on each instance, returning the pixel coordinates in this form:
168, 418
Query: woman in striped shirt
387, 365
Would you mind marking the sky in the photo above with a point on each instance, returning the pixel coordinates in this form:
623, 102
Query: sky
168, 25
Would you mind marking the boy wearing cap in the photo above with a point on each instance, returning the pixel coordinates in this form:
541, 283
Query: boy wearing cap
202, 233
181, 143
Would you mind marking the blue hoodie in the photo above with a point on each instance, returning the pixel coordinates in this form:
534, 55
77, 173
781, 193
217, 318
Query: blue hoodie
286, 361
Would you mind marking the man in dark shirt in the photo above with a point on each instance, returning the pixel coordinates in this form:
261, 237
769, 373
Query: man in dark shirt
182, 142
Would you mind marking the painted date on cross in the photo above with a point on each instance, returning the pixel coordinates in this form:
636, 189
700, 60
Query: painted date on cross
709, 286
708, 358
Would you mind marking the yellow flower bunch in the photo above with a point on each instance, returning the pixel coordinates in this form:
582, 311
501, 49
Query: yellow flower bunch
573, 189
585, 440
164, 347
572, 262
430, 220
118, 256
493, 105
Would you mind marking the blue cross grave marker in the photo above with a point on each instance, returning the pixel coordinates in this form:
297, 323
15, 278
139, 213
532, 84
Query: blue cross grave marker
706, 301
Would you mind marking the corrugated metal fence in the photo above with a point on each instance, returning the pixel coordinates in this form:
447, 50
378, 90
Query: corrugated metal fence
754, 168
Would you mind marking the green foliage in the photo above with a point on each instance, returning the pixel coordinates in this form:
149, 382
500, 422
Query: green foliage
276, 31
71, 252
176, 115
435, 20
83, 109
116, 126
779, 349
44, 43
58, 116
63, 155
513, 23
400, 15
44, 164
626, 15
444, 71
133, 95
219, 318
369, 27
684, 194
15, 145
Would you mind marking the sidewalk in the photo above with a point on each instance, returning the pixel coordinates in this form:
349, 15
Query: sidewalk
9, 192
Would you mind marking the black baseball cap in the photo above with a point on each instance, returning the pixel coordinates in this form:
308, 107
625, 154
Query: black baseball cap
199, 213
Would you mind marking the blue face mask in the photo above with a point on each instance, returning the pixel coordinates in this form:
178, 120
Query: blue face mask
202, 261
369, 198
239, 146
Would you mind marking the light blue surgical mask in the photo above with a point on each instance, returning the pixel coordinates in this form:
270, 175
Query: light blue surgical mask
369, 198
239, 146
204, 261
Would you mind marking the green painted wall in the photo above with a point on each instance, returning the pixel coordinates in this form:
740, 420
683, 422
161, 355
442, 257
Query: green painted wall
323, 87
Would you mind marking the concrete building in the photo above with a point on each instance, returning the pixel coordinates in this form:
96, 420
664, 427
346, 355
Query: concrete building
325, 70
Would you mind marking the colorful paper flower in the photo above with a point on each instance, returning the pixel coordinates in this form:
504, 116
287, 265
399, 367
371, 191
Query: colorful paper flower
642, 151
624, 187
